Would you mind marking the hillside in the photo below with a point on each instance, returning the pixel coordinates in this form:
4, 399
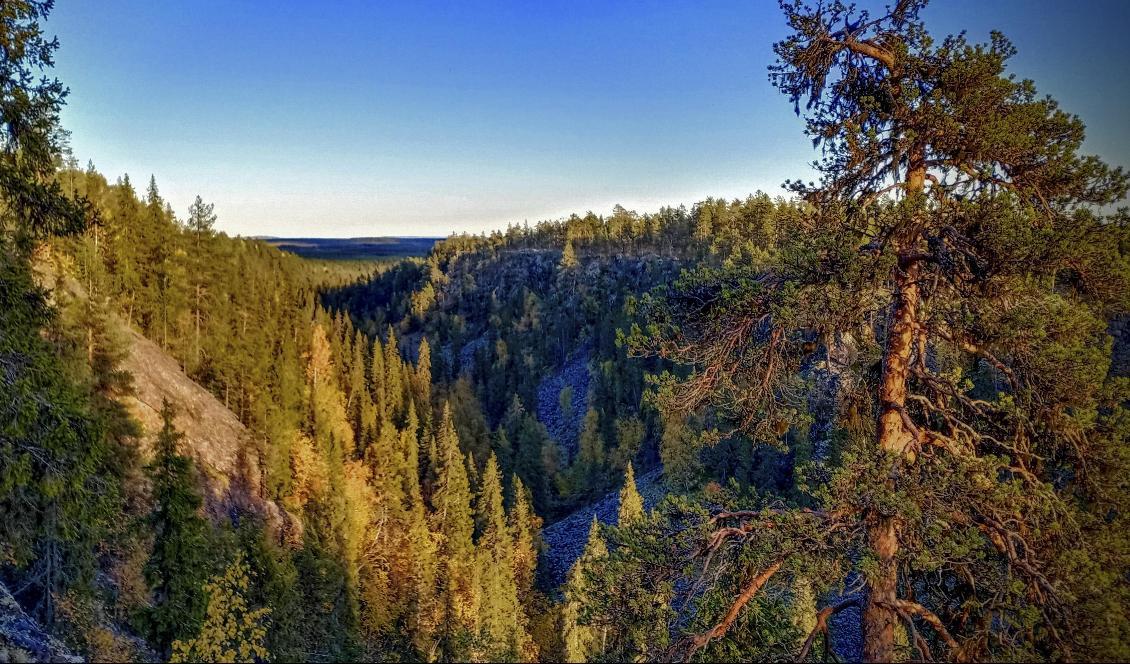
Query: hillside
220, 446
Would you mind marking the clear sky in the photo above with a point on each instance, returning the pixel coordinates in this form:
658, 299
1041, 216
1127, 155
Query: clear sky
351, 118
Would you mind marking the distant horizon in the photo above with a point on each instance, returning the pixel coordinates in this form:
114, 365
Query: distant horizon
429, 120
502, 229
336, 237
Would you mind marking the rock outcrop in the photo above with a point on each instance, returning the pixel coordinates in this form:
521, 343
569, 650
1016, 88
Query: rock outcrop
219, 444
215, 439
24, 640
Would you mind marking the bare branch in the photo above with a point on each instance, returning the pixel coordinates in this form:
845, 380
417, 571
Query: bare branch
700, 641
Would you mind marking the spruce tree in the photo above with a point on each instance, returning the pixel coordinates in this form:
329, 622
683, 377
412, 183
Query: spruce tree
178, 566
502, 625
394, 387
589, 469
584, 640
454, 522
631, 503
525, 529
568, 256
59, 482
356, 392
377, 387
422, 378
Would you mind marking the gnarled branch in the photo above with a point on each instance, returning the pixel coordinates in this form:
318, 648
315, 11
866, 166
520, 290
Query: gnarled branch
755, 584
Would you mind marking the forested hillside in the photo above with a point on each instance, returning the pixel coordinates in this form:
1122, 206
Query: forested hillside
882, 417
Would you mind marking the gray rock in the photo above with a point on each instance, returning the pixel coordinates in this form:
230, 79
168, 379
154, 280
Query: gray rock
24, 640
565, 540
565, 428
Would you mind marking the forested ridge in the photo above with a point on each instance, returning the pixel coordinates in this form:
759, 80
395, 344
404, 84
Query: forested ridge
880, 417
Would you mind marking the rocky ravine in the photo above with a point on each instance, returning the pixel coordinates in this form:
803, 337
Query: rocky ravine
565, 540
565, 427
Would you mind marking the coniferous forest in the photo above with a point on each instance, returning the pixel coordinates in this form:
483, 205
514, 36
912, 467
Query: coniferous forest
880, 416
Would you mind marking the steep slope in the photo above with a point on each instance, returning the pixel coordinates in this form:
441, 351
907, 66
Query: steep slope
565, 540
218, 443
24, 640
565, 427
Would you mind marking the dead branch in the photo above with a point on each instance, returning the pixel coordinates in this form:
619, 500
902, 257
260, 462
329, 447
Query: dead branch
700, 641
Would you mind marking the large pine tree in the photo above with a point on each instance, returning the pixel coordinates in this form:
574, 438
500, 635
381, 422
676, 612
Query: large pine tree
956, 254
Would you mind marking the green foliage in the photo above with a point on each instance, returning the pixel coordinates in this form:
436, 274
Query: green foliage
934, 288
179, 564
502, 620
34, 203
60, 473
583, 642
956, 213
631, 503
60, 470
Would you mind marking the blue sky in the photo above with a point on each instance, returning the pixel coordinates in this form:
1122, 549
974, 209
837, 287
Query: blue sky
350, 118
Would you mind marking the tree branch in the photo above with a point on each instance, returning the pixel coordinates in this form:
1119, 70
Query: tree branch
822, 625
916, 609
699, 641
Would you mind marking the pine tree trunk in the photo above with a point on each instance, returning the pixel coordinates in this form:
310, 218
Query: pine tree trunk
894, 438
197, 320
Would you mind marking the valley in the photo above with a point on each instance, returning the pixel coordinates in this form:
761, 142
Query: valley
880, 415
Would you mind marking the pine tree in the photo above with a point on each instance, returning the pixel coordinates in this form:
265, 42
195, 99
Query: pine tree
201, 217
201, 220
945, 242
631, 503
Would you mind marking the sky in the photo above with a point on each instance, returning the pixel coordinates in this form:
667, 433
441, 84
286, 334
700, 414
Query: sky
352, 118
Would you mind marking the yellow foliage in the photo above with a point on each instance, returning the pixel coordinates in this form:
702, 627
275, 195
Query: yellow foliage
308, 470
232, 631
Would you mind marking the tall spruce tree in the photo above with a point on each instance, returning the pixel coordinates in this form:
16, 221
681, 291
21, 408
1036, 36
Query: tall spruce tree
583, 636
502, 625
179, 564
454, 522
525, 529
59, 489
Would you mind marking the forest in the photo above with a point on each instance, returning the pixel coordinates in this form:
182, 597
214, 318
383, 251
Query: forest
879, 417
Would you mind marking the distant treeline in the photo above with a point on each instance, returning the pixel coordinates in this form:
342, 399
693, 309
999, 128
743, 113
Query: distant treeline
354, 249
